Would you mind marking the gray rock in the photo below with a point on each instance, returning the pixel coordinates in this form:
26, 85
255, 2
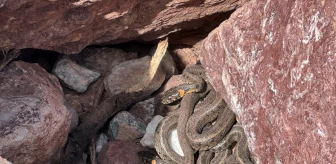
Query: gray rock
148, 139
73, 75
34, 123
101, 141
125, 126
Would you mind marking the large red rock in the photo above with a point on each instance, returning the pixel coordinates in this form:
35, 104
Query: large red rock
34, 123
274, 64
68, 26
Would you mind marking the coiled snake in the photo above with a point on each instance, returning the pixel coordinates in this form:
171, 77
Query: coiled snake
200, 127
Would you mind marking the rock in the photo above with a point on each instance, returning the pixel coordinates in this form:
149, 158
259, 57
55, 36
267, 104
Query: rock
274, 63
4, 161
185, 56
101, 59
73, 117
73, 102
144, 109
69, 26
148, 139
121, 152
129, 73
74, 76
87, 100
34, 121
101, 141
125, 126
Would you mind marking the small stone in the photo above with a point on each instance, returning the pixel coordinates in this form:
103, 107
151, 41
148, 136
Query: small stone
144, 109
101, 141
148, 139
73, 75
34, 123
125, 126
121, 152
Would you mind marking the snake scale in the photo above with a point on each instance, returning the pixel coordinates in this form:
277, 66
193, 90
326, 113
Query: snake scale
206, 127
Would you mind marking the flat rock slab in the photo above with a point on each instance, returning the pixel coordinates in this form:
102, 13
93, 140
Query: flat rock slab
130, 73
274, 63
69, 26
34, 123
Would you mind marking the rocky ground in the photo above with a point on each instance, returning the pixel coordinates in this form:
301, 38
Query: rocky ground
84, 96
65, 70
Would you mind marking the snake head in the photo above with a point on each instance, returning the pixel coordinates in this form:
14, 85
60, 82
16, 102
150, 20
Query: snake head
172, 95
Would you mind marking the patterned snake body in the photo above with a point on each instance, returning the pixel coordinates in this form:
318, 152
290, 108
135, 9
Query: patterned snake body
216, 110
161, 144
241, 153
190, 125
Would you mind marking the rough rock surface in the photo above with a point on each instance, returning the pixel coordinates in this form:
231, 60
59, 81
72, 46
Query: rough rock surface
274, 63
121, 152
144, 109
73, 75
68, 26
186, 56
125, 126
129, 73
101, 59
34, 123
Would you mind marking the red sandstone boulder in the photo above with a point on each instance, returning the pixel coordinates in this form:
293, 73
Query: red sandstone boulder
34, 123
68, 26
274, 64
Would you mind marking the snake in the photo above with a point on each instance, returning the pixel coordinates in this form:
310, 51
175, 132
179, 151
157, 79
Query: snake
194, 81
217, 110
191, 125
241, 153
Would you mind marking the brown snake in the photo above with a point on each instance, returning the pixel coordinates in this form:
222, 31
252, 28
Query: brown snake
216, 110
241, 153
191, 132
